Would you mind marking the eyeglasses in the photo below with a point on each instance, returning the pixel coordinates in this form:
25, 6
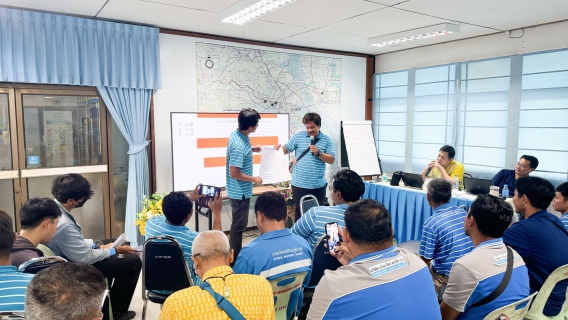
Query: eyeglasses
522, 166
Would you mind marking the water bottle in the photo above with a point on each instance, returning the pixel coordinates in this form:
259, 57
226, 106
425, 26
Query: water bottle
384, 178
456, 183
505, 192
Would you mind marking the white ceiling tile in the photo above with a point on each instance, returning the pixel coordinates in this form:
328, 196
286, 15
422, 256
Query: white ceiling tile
177, 18
81, 8
208, 5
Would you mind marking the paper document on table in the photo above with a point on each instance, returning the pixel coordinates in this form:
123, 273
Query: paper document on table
120, 240
273, 165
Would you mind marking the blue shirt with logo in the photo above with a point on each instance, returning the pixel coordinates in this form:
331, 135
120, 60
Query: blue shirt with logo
309, 172
239, 154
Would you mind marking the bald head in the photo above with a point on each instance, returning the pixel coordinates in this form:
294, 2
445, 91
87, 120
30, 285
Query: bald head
210, 245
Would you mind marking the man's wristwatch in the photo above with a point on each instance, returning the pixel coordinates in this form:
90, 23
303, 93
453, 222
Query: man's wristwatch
97, 245
319, 153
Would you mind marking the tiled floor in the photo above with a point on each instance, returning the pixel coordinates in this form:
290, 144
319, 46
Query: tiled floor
153, 310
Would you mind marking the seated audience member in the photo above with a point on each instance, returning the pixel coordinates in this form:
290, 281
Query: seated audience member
540, 238
277, 252
39, 218
560, 202
477, 274
443, 238
71, 291
121, 263
251, 295
13, 283
444, 167
178, 208
524, 167
346, 187
375, 275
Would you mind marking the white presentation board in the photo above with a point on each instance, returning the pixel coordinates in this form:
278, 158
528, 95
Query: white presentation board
199, 145
360, 147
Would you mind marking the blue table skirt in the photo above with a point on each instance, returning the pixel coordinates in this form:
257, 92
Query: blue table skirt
409, 208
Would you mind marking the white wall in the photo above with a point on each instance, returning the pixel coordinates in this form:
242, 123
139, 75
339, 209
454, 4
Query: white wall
179, 94
541, 38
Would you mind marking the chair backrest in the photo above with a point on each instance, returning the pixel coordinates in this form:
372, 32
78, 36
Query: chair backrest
467, 175
411, 245
46, 251
511, 310
282, 288
35, 265
535, 311
307, 202
164, 266
322, 261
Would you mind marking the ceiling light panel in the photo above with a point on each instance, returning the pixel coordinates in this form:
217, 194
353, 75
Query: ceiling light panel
416, 34
247, 10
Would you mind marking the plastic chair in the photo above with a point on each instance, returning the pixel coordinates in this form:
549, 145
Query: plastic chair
282, 288
412, 246
307, 202
511, 310
535, 311
35, 265
163, 268
467, 175
46, 251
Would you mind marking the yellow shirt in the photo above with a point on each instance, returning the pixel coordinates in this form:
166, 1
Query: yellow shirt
251, 295
454, 169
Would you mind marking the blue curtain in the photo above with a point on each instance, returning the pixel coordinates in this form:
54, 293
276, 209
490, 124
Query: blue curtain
47, 48
130, 109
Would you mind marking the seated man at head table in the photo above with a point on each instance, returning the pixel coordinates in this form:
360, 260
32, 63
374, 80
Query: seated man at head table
524, 167
560, 202
443, 237
444, 167
376, 278
477, 274
250, 295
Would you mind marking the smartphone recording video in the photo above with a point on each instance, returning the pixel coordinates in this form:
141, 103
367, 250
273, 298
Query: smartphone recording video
332, 232
209, 191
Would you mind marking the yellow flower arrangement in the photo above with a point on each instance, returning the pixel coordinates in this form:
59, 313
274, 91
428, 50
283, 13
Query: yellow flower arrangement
151, 206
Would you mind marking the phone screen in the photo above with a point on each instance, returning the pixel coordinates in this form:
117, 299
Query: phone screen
331, 230
209, 191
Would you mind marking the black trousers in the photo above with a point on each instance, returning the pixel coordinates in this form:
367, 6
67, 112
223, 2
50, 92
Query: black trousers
122, 274
298, 193
240, 213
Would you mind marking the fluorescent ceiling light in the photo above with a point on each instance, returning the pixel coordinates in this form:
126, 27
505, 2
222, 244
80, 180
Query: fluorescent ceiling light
248, 10
416, 34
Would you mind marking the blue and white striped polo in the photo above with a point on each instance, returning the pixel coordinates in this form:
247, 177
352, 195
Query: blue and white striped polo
444, 239
13, 286
309, 172
564, 219
311, 225
239, 154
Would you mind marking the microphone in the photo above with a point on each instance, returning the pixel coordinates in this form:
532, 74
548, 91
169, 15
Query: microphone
312, 142
428, 171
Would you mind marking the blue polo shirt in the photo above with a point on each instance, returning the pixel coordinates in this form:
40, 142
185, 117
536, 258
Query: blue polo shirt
505, 177
13, 286
311, 225
542, 245
309, 172
157, 226
276, 254
444, 239
239, 154
564, 219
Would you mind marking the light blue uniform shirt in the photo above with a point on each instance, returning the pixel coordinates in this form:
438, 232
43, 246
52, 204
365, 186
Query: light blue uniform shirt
309, 172
276, 254
444, 239
239, 154
564, 219
311, 225
157, 226
13, 286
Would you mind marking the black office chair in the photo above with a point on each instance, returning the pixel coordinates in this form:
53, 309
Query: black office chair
35, 265
467, 175
307, 202
163, 268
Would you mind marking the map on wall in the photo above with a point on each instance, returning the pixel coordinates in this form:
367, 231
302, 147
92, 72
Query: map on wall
231, 78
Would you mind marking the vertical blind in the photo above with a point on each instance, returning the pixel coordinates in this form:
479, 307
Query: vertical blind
492, 112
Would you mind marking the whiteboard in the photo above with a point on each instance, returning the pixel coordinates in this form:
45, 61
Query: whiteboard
360, 147
199, 145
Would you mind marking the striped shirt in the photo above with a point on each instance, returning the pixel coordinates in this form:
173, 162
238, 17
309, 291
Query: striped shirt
309, 172
157, 226
564, 219
311, 225
239, 154
13, 285
444, 239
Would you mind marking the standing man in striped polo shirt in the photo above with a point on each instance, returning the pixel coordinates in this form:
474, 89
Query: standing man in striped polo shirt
308, 175
443, 236
238, 173
346, 187
13, 284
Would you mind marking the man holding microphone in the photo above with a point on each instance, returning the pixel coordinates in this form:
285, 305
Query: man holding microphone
313, 150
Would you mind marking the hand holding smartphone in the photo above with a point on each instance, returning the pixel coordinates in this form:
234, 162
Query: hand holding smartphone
333, 237
209, 192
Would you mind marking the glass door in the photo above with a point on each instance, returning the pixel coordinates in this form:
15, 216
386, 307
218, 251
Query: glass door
10, 194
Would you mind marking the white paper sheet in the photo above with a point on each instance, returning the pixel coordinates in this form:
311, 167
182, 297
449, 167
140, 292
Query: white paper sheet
120, 240
273, 166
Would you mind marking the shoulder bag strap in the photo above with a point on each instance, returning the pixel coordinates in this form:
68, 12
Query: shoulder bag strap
558, 226
504, 282
307, 150
223, 303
